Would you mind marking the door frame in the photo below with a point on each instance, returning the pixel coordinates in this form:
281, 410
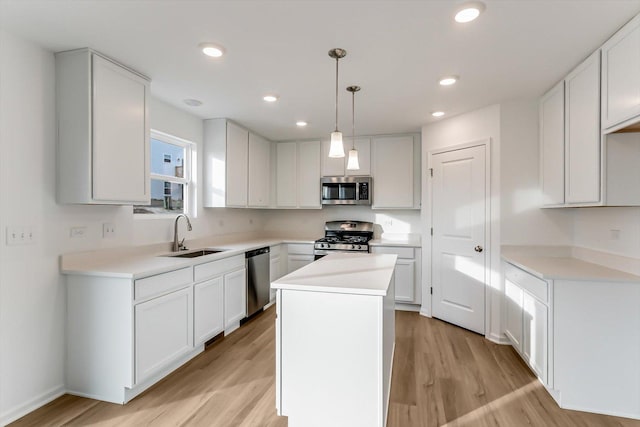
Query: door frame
427, 219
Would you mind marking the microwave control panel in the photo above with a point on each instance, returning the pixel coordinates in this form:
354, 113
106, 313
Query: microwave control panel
364, 191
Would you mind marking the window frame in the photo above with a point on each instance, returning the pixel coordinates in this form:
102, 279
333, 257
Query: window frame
186, 180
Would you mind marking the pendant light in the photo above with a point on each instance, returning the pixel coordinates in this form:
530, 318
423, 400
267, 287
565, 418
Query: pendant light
336, 148
352, 163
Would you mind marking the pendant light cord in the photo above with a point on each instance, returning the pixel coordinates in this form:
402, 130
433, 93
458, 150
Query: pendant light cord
353, 118
337, 59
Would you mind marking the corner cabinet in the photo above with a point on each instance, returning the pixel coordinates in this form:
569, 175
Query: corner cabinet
103, 131
298, 175
396, 172
235, 167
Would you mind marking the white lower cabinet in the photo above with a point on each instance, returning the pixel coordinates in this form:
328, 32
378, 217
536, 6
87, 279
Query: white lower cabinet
208, 310
235, 299
408, 273
124, 334
527, 319
275, 267
299, 255
163, 331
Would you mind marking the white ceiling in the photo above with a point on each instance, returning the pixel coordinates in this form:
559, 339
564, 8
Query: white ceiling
396, 52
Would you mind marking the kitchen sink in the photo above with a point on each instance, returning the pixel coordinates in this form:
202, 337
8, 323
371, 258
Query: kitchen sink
195, 254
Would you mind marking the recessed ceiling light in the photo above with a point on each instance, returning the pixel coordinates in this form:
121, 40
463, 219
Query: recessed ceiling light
192, 102
270, 98
469, 11
301, 123
213, 50
437, 113
448, 80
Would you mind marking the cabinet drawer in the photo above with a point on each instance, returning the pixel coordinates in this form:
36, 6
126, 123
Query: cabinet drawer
216, 268
161, 283
535, 286
401, 252
300, 248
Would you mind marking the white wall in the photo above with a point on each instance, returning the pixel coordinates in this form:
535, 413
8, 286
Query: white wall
592, 230
522, 222
477, 125
310, 222
32, 292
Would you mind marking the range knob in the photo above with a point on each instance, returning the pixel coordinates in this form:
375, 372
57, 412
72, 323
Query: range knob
353, 246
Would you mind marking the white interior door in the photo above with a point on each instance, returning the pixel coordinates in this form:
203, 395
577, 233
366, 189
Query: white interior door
459, 198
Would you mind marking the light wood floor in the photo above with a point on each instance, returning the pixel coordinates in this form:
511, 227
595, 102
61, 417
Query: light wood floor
443, 376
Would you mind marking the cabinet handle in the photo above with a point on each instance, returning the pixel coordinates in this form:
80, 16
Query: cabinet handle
478, 248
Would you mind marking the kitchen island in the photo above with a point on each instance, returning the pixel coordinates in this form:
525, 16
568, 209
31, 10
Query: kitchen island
335, 336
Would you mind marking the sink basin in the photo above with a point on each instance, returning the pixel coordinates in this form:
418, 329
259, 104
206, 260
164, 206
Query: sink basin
195, 254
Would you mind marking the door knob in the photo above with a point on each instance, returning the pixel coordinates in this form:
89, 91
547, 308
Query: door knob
478, 248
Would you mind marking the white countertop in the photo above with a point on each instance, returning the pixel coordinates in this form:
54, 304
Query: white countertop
137, 262
362, 274
566, 268
401, 240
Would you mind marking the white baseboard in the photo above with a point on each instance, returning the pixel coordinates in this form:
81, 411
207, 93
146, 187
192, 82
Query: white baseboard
424, 313
498, 339
35, 403
407, 307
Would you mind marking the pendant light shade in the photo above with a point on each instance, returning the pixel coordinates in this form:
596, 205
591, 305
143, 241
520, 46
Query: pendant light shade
337, 148
352, 162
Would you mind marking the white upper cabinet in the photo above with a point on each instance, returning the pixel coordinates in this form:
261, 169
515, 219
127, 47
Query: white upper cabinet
286, 174
298, 175
582, 132
396, 172
103, 130
236, 166
338, 166
259, 171
621, 77
309, 174
552, 146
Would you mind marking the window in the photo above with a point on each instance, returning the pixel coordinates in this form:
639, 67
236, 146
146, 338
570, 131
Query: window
170, 175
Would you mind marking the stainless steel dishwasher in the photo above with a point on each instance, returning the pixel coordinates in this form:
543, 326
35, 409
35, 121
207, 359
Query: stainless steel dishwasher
258, 283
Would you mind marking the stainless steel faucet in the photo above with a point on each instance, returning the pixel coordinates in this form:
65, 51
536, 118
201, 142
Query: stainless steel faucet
179, 245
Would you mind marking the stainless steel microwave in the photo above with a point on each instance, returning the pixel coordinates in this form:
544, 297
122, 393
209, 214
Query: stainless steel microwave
346, 190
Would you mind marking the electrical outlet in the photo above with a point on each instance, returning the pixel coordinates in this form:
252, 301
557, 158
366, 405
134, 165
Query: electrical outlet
614, 234
78, 232
108, 230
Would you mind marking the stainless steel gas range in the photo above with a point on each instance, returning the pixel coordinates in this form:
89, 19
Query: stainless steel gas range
344, 236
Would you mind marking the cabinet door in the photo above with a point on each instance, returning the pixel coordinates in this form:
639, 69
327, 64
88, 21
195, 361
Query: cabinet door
552, 146
621, 75
259, 171
513, 313
309, 174
393, 172
534, 340
208, 309
274, 274
332, 166
237, 163
582, 132
235, 297
286, 185
163, 331
405, 280
120, 149
363, 145
295, 262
